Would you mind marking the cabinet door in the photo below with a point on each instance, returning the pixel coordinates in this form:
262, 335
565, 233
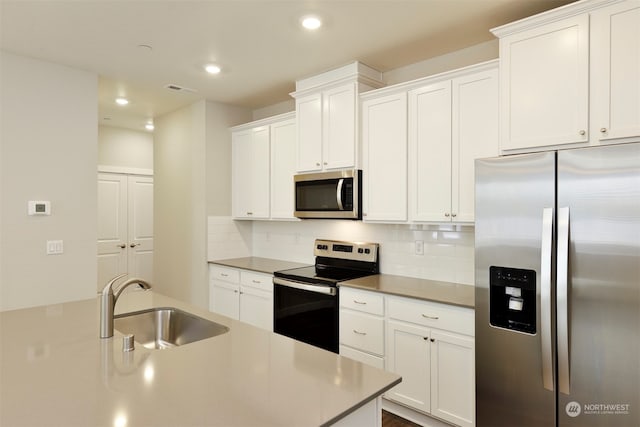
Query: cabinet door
256, 307
408, 354
615, 62
283, 167
384, 135
224, 299
453, 378
544, 87
309, 133
474, 136
339, 127
259, 173
430, 152
250, 164
241, 178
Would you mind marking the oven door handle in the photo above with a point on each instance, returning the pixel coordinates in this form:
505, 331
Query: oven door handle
327, 290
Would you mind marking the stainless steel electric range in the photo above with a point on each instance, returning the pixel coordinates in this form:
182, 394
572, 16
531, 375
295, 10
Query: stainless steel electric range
306, 299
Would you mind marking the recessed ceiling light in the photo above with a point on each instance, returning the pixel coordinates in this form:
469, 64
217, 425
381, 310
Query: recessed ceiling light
149, 126
212, 69
311, 22
122, 101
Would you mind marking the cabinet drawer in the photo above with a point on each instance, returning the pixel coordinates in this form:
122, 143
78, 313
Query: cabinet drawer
368, 302
362, 331
441, 316
257, 280
226, 274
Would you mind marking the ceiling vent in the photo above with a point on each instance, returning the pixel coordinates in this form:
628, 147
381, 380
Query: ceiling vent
179, 88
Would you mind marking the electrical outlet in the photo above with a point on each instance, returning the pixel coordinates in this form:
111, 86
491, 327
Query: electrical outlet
419, 249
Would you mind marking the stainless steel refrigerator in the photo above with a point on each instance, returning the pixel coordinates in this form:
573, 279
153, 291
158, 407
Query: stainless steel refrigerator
557, 252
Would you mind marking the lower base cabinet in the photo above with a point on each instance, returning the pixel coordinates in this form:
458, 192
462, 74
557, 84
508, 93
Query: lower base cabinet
432, 347
242, 295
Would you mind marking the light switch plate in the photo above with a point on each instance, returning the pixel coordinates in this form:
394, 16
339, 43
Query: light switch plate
55, 247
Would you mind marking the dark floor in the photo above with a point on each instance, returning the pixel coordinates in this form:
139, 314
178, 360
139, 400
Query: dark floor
392, 420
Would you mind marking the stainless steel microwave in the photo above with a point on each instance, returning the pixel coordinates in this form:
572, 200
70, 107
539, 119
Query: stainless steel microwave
329, 195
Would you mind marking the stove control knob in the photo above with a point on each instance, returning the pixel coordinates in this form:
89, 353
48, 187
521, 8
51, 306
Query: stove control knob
367, 251
360, 250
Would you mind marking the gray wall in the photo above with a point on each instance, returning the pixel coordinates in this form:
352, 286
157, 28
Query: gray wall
192, 178
48, 151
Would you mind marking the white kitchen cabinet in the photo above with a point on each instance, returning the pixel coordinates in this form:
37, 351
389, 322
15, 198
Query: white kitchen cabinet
250, 165
569, 77
544, 86
432, 346
327, 129
263, 166
384, 136
451, 124
283, 148
362, 326
242, 295
327, 117
615, 71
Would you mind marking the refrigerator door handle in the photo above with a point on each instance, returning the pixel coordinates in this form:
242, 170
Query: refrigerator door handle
562, 300
545, 297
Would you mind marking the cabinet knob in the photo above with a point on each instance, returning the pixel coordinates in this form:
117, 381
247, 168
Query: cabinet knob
582, 133
603, 130
453, 215
447, 214
122, 246
325, 163
433, 340
317, 164
249, 213
133, 245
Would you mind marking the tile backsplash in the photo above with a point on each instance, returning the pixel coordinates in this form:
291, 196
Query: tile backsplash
448, 249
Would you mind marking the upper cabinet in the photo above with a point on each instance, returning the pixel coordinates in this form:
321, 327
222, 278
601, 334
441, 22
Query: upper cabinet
569, 77
420, 142
327, 117
263, 165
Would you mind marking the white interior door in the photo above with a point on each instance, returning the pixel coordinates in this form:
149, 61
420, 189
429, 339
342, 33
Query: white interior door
112, 226
125, 226
140, 227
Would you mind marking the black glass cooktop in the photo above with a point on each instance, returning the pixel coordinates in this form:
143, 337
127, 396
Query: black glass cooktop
320, 274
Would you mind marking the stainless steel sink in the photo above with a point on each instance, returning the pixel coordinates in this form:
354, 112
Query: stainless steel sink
162, 328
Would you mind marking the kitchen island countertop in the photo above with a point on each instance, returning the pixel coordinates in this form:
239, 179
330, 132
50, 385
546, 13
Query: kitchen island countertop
54, 370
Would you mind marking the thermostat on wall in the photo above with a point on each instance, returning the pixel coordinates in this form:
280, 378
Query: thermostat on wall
39, 207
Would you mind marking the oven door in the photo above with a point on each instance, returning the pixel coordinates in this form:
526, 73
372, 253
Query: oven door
306, 312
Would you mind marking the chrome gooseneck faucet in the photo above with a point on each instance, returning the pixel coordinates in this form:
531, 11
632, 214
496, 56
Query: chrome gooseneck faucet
108, 300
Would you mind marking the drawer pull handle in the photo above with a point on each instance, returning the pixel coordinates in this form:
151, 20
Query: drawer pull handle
358, 332
360, 302
224, 274
256, 281
430, 317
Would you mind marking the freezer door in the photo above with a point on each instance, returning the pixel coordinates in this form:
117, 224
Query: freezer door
515, 201
598, 356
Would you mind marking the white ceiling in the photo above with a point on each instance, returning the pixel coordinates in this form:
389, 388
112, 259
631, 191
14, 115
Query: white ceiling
258, 43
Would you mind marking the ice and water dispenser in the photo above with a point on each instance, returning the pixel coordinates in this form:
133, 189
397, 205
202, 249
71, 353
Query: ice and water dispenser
512, 304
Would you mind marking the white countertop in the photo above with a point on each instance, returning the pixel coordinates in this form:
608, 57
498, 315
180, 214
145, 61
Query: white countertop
54, 370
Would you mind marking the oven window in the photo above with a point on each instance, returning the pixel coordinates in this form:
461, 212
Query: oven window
306, 316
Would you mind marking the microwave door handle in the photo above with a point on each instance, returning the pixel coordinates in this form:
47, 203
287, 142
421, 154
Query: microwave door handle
339, 194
